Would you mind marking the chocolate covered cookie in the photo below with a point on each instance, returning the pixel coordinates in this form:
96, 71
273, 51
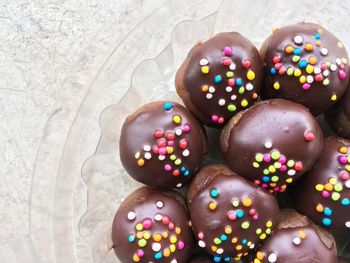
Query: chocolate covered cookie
161, 144
230, 216
296, 239
307, 64
220, 77
338, 117
323, 194
272, 143
152, 226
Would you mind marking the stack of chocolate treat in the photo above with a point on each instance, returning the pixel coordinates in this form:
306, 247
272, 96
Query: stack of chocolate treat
264, 105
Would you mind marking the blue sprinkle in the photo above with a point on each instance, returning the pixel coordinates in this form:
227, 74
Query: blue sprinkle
266, 179
239, 213
302, 64
158, 255
238, 82
327, 212
214, 193
187, 173
227, 259
183, 169
168, 106
317, 36
217, 79
345, 201
297, 51
326, 221
244, 241
217, 259
131, 238
223, 237
273, 71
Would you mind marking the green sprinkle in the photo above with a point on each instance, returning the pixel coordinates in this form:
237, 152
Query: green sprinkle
275, 155
245, 225
259, 157
231, 107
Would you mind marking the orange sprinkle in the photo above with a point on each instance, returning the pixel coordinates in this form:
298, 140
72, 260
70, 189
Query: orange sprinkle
312, 60
141, 162
309, 47
289, 49
319, 208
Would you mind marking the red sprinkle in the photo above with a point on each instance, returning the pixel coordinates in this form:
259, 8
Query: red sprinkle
276, 59
165, 220
231, 82
161, 143
170, 135
183, 144
246, 63
319, 77
158, 133
278, 66
227, 62
221, 120
309, 136
176, 172
298, 166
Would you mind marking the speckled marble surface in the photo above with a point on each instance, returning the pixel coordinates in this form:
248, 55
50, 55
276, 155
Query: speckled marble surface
62, 65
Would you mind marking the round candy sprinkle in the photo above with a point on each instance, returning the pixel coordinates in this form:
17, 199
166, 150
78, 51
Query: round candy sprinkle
272, 258
131, 215
159, 204
298, 39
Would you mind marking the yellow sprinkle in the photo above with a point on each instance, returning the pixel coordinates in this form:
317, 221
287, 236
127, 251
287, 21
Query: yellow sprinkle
289, 180
250, 75
244, 103
309, 47
302, 234
173, 239
260, 255
169, 150
176, 119
258, 231
257, 260
165, 234
172, 248
268, 224
344, 60
205, 70
147, 235
340, 44
234, 240
297, 72
205, 88
320, 31
228, 230
272, 169
302, 79
135, 258
139, 235
333, 181
212, 206
137, 155
247, 202
214, 248
328, 187
166, 252
319, 187
262, 236
157, 237
178, 230
239, 247
139, 227
140, 162
274, 29
319, 208
334, 97
343, 150
256, 165
276, 85
309, 69
347, 167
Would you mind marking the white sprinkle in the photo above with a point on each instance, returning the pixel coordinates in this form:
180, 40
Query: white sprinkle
324, 51
201, 243
173, 261
317, 70
347, 224
309, 79
249, 86
159, 204
347, 183
291, 172
333, 67
158, 217
161, 157
186, 153
272, 258
209, 96
296, 241
232, 66
338, 61
233, 97
268, 145
222, 102
211, 89
219, 251
228, 89
179, 185
156, 247
131, 215
252, 246
178, 131
137, 155
147, 147
326, 73
203, 62
148, 155
298, 39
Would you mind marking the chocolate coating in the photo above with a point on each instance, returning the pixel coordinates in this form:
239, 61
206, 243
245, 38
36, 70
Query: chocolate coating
161, 145
232, 83
200, 259
152, 226
307, 64
296, 239
272, 143
323, 194
339, 116
229, 215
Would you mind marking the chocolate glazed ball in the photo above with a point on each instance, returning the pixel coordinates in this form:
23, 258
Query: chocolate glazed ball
296, 239
152, 226
220, 77
272, 143
339, 116
305, 63
323, 194
162, 145
230, 216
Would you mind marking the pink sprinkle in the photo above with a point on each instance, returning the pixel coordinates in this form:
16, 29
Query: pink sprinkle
186, 128
221, 120
323, 66
200, 235
278, 66
267, 158
227, 51
342, 159
282, 159
342, 66
319, 77
155, 149
257, 182
342, 74
306, 86
275, 189
140, 253
252, 212
231, 215
147, 223
264, 185
170, 143
282, 190
171, 226
282, 71
344, 175
162, 151
167, 167
255, 217
214, 118
283, 168
325, 194
180, 245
